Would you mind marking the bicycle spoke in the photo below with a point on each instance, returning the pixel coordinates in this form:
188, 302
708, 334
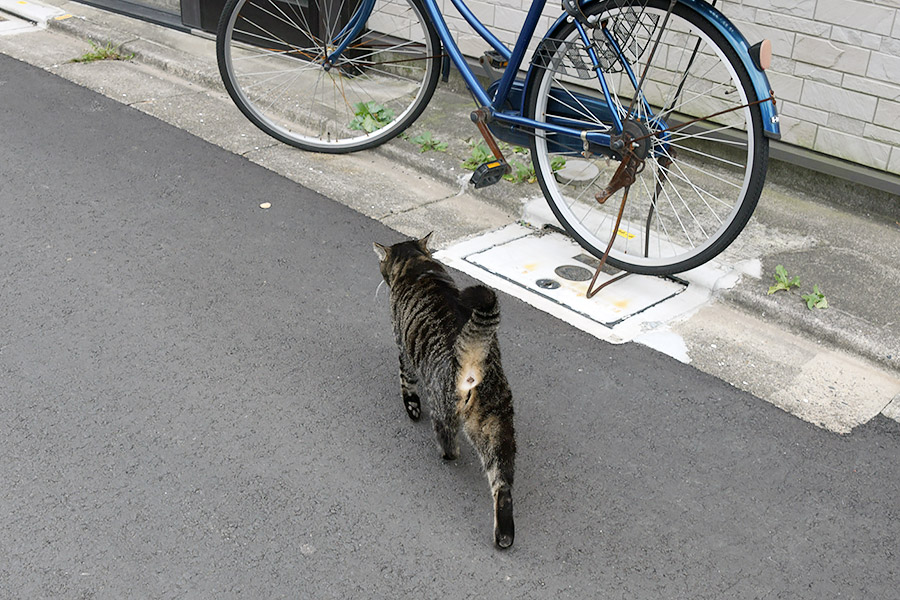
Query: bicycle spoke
273, 38
697, 96
678, 135
286, 54
372, 68
396, 49
282, 89
309, 113
702, 194
581, 109
708, 173
286, 19
283, 18
303, 24
707, 155
274, 76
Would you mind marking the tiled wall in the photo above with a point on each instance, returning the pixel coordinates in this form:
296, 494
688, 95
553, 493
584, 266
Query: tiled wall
836, 69
837, 72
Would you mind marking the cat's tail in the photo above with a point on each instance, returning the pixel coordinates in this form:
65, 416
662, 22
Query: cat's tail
477, 335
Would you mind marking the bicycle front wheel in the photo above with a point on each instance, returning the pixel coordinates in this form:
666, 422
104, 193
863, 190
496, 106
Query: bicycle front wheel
273, 59
704, 154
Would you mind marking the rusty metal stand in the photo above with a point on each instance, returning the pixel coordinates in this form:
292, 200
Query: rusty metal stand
624, 177
591, 291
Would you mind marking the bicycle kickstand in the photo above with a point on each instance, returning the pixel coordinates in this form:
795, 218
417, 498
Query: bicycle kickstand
591, 291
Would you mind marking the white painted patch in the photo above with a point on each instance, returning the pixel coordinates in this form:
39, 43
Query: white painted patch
532, 258
35, 12
513, 259
666, 342
10, 25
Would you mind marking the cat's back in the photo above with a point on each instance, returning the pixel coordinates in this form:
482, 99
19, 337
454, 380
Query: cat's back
426, 310
426, 289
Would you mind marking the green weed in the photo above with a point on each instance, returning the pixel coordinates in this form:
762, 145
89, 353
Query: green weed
557, 163
371, 116
426, 142
783, 281
521, 172
816, 299
479, 153
522, 168
107, 52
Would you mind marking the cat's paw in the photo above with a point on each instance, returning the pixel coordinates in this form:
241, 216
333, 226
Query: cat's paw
413, 407
504, 526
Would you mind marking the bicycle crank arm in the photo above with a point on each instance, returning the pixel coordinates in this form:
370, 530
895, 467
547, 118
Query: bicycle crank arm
480, 117
492, 171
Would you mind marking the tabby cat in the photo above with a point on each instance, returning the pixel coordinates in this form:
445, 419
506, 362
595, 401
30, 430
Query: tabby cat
449, 352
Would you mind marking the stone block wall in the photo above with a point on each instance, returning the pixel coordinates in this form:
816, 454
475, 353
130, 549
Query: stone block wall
835, 71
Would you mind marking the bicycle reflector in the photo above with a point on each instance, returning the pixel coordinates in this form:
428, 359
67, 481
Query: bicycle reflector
761, 54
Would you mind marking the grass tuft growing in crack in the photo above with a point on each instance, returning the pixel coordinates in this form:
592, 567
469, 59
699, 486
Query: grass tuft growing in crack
107, 52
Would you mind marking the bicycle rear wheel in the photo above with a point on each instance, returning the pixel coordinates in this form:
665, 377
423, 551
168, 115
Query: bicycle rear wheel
272, 58
699, 184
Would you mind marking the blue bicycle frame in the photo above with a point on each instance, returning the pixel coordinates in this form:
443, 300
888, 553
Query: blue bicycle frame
500, 91
514, 59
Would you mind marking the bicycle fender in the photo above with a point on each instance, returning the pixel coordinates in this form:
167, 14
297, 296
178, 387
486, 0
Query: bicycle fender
760, 82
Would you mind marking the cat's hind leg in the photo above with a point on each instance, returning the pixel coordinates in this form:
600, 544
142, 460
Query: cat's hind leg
494, 439
504, 526
409, 390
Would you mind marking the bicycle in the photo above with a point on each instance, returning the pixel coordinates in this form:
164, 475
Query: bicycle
661, 103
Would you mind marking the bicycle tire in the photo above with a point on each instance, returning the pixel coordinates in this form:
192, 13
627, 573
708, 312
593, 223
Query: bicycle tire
271, 58
717, 171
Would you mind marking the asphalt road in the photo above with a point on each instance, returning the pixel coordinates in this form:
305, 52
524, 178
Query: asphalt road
199, 400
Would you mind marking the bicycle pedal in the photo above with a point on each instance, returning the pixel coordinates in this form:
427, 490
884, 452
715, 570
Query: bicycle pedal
495, 59
489, 173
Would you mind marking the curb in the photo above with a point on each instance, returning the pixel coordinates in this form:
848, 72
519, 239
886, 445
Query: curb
145, 51
837, 335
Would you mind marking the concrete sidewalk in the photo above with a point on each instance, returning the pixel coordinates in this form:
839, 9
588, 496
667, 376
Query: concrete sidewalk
837, 368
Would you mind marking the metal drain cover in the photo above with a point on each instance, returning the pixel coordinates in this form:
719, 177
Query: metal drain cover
573, 273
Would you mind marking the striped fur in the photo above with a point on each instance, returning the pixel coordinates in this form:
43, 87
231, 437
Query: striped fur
447, 340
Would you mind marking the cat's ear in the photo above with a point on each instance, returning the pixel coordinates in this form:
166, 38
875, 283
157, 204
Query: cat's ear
380, 250
424, 241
